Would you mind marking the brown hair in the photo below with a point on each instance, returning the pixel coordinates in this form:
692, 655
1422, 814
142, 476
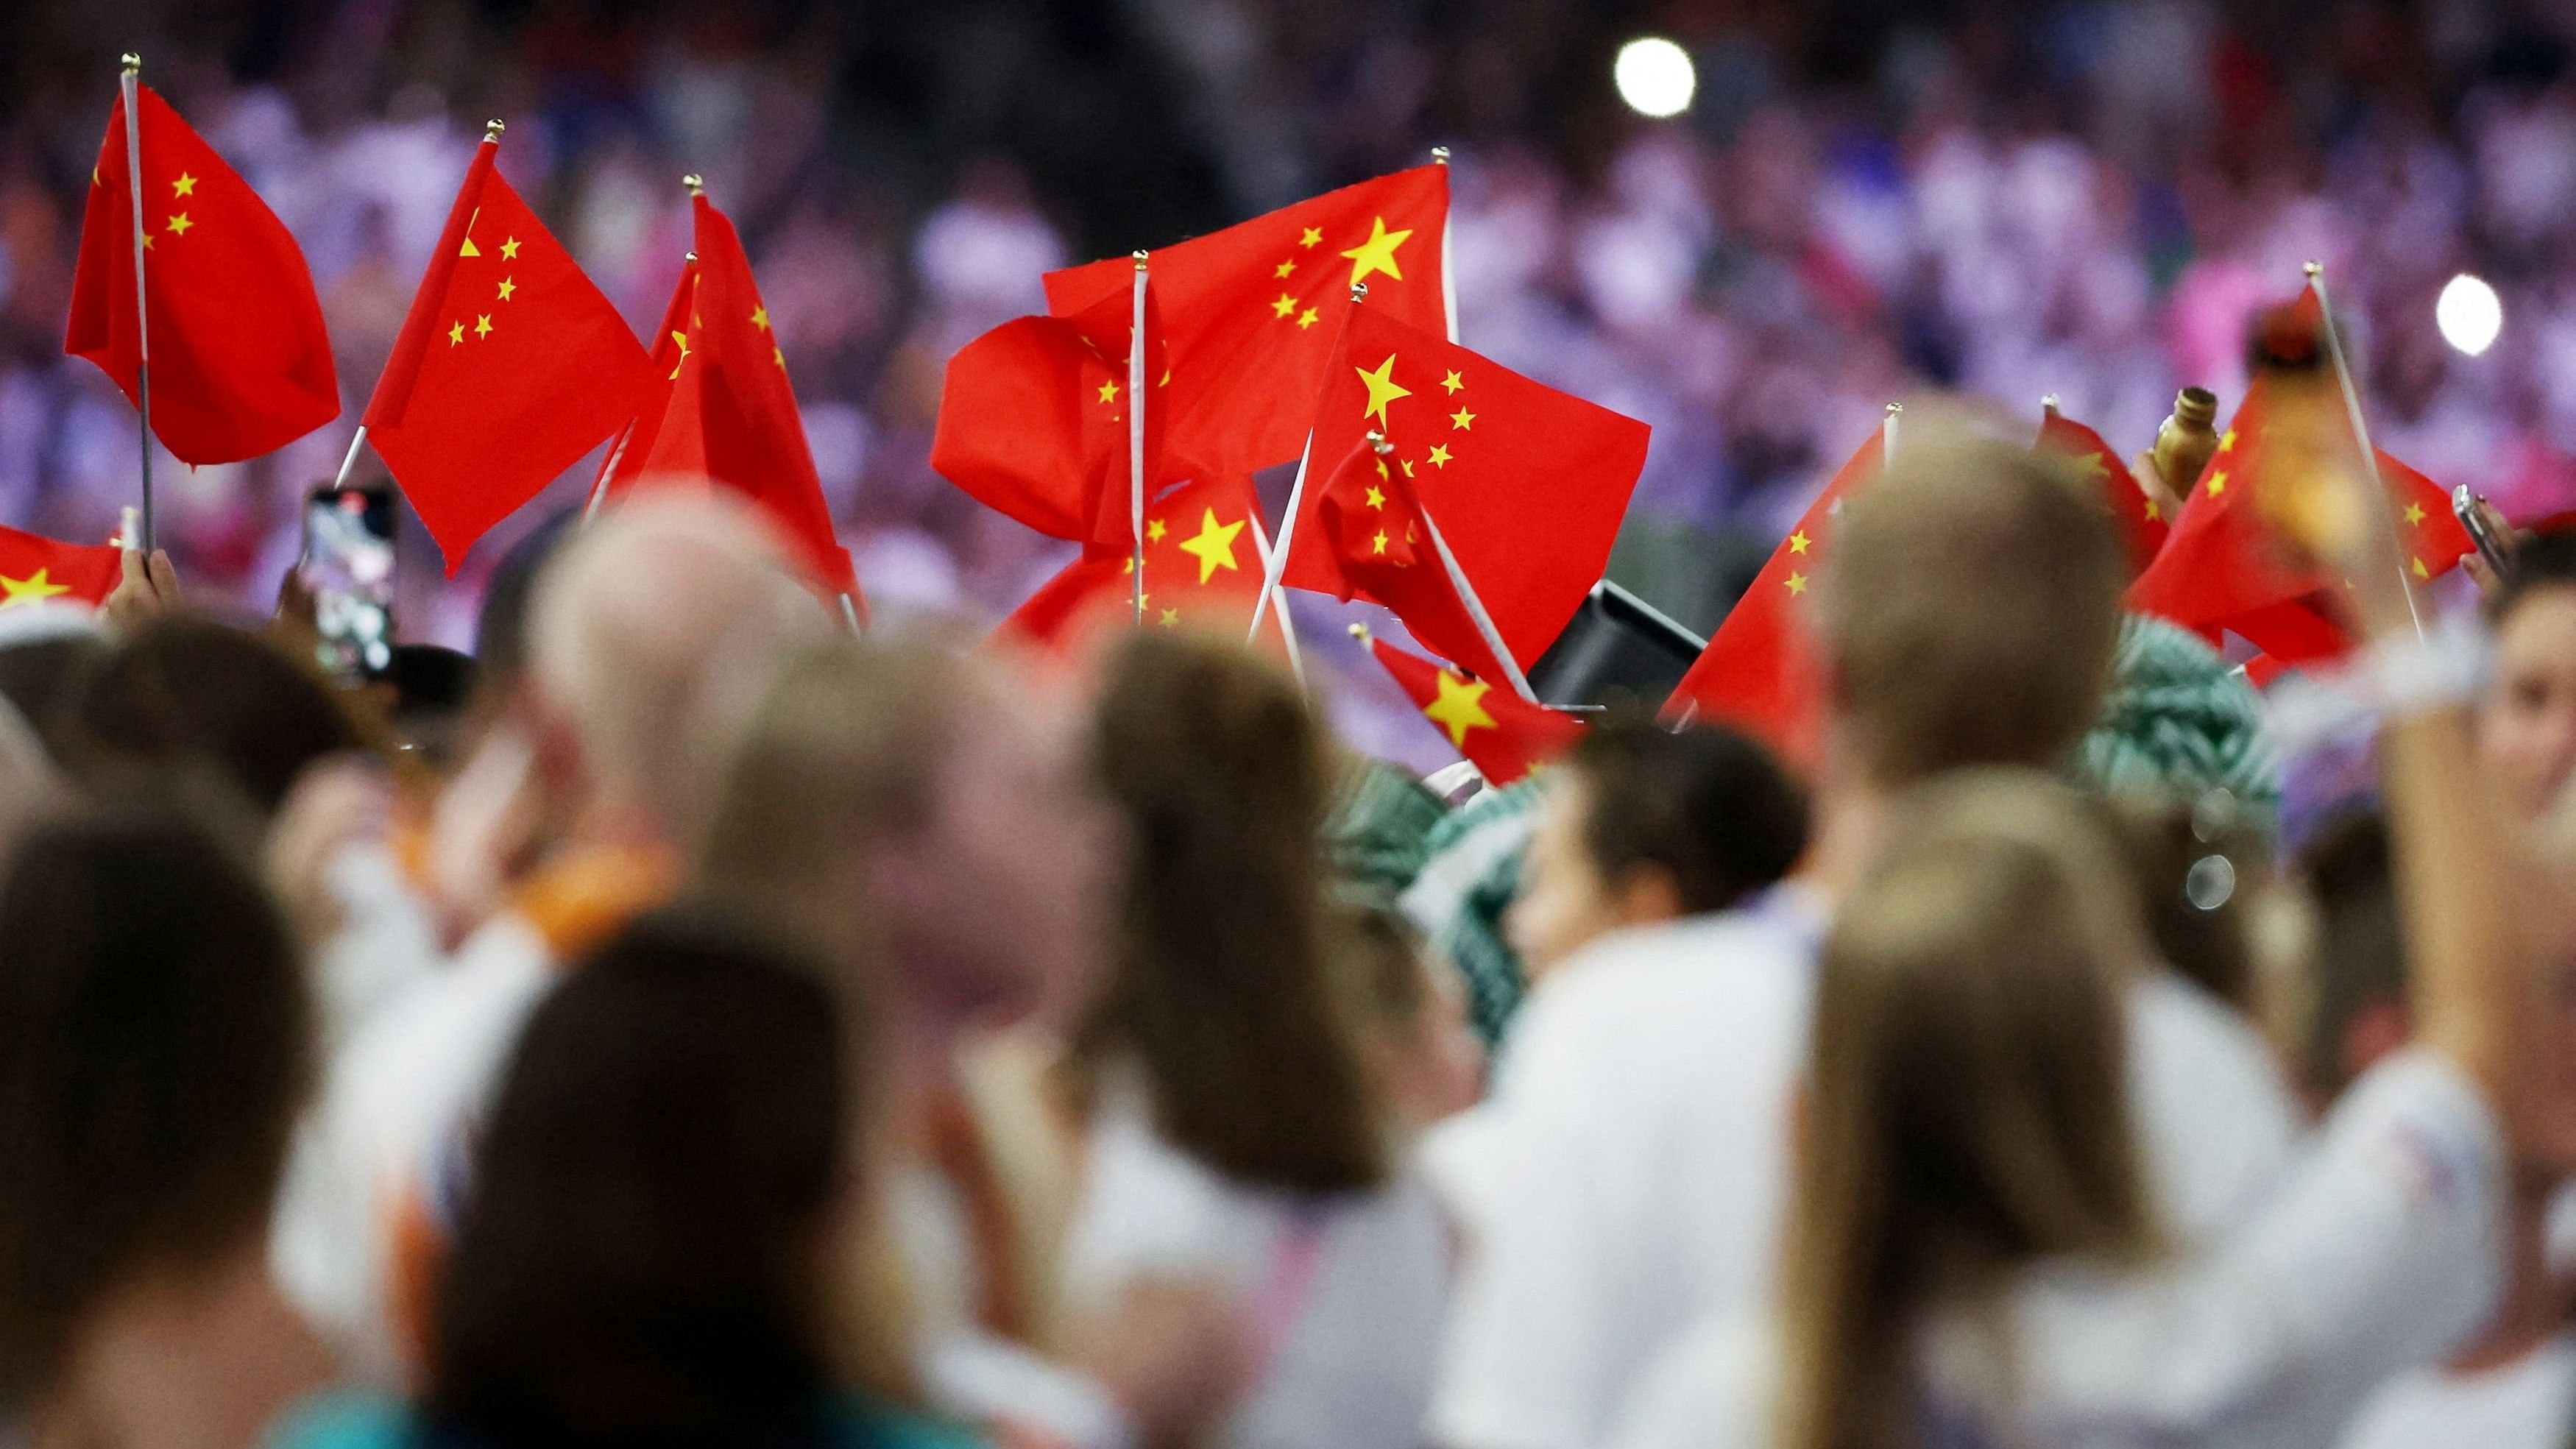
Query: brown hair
1970, 610
1709, 807
154, 1039
1220, 988
1965, 1114
184, 690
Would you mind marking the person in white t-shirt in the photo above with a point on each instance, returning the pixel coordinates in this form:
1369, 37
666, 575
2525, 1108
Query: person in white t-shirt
1627, 1177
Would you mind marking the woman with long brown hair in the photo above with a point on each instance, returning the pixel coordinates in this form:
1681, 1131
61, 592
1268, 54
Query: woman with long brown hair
1236, 1135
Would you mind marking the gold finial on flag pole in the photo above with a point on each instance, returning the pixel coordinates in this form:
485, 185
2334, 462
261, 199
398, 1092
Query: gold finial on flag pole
132, 62
696, 184
1439, 155
492, 130
1359, 291
1378, 444
2048, 404
1360, 632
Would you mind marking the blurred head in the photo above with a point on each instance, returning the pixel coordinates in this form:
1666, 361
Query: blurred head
2357, 1003
1644, 824
644, 1260
1970, 611
637, 632
184, 691
153, 1053
2196, 871
46, 653
1429, 1062
1220, 991
2526, 721
1965, 1113
431, 690
896, 794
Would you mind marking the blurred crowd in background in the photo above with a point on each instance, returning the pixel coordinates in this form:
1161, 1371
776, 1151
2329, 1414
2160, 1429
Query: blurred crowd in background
2083, 199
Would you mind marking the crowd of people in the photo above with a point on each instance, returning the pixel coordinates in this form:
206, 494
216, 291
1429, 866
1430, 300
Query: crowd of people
714, 1026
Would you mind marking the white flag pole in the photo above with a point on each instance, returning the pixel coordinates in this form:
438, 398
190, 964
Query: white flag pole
1287, 622
128, 84
1276, 561
1448, 273
2360, 430
1484, 622
1887, 435
1136, 441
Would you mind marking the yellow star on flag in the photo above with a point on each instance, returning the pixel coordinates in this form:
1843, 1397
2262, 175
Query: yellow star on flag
2154, 514
2217, 484
1376, 499
456, 334
681, 338
1382, 388
1797, 582
2093, 466
1462, 419
34, 589
1306, 319
510, 250
779, 356
483, 324
1460, 708
1286, 267
1109, 392
2414, 513
1407, 465
186, 185
1214, 546
1312, 236
1153, 534
1798, 542
2422, 572
760, 318
1377, 254
1284, 308
507, 287
2227, 441
1378, 544
180, 223
1171, 618
1440, 452
1453, 382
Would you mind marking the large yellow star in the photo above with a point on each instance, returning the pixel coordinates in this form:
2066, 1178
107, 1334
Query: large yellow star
180, 223
1214, 546
1797, 582
1460, 708
186, 185
1382, 388
1377, 254
34, 589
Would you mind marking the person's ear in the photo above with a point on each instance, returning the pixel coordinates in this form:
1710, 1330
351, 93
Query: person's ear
1645, 895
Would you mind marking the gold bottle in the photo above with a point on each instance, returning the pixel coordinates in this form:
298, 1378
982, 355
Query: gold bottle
2187, 439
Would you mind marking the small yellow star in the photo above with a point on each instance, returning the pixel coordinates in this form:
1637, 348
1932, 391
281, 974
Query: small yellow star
760, 318
34, 589
507, 287
1377, 254
147, 241
510, 250
777, 356
1798, 542
1171, 618
2227, 441
1376, 497
2154, 513
2422, 572
1306, 319
1154, 531
682, 338
1440, 452
1462, 419
483, 324
1460, 708
1286, 267
186, 185
1312, 236
2217, 483
1406, 465
1453, 382
2093, 466
1109, 392
1382, 388
456, 334
180, 223
1378, 544
1284, 307
1797, 582
1214, 546
2414, 513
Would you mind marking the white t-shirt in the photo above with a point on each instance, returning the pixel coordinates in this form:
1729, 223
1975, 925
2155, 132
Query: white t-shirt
1627, 1177
2529, 1403
2381, 1250
1345, 1293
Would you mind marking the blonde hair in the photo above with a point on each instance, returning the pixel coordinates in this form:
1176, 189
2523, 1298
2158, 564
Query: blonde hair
1971, 609
1966, 1113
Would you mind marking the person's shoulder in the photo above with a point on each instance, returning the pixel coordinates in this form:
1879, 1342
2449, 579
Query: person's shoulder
1712, 1388
345, 1421
1675, 977
862, 1422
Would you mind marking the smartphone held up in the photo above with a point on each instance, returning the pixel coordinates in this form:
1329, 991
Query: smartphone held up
348, 566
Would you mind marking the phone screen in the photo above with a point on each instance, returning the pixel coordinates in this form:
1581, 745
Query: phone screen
349, 566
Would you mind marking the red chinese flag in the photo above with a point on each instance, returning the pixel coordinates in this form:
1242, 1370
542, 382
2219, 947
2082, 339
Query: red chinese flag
1203, 567
1502, 734
1369, 518
240, 365
2143, 527
1248, 311
731, 415
1034, 421
2221, 571
34, 569
1528, 484
1759, 672
624, 461
510, 366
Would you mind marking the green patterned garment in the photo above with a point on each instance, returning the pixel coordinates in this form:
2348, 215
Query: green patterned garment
2179, 723
1471, 872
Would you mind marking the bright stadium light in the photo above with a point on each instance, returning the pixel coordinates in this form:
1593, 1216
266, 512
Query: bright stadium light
2469, 314
1654, 76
